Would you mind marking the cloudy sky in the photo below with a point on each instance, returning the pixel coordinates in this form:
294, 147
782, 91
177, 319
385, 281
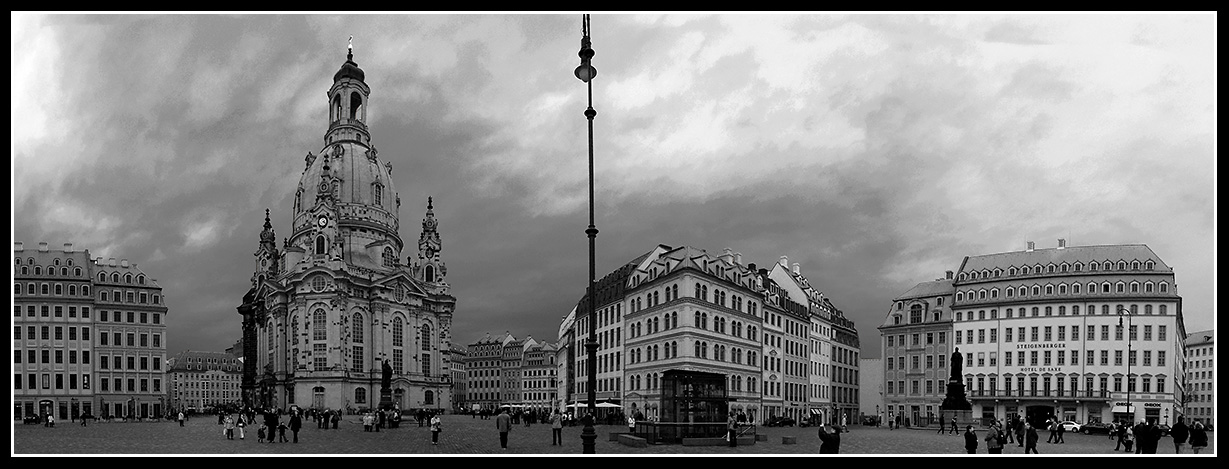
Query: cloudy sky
874, 150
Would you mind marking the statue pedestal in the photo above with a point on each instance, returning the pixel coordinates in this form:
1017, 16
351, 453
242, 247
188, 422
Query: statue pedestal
955, 399
386, 399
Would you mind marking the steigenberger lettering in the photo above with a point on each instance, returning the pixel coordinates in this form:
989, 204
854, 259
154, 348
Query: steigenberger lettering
1043, 345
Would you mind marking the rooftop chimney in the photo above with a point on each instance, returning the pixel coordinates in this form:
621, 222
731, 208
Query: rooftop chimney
111, 262
1062, 243
17, 246
784, 262
738, 258
727, 255
1030, 246
68, 247
42, 246
751, 267
949, 275
796, 270
123, 262
98, 261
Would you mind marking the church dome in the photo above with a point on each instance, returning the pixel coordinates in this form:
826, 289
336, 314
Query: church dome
361, 183
349, 69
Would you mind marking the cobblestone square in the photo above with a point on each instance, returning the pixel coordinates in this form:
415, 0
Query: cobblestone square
463, 435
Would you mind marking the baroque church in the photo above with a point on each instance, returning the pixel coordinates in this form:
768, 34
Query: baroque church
337, 302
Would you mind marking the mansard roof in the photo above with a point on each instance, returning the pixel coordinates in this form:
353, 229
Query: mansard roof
1070, 255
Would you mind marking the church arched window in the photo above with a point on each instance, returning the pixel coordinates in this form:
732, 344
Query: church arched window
377, 194
398, 332
336, 108
356, 325
356, 105
319, 326
429, 273
426, 337
320, 245
389, 259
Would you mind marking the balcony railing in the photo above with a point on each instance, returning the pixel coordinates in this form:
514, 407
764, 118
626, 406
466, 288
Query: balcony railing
1051, 394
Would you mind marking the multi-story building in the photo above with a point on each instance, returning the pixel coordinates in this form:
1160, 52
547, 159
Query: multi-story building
817, 311
88, 336
484, 371
512, 369
915, 341
870, 387
845, 357
1084, 333
53, 350
565, 359
338, 301
1199, 403
539, 377
199, 381
460, 377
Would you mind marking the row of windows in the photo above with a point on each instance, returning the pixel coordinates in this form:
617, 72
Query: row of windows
46, 311
1062, 311
54, 262
102, 277
131, 317
46, 332
930, 338
1035, 358
118, 362
46, 289
128, 297
32, 357
38, 270
1046, 333
1052, 268
1075, 288
145, 340
1145, 383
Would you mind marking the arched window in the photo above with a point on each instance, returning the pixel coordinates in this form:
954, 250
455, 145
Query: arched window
77, 272
1164, 287
1011, 271
377, 194
697, 317
674, 348
1121, 287
1122, 265
17, 289
1036, 290
703, 349
360, 395
72, 290
1062, 289
981, 294
102, 276
141, 280
320, 245
994, 293
704, 292
1107, 266
115, 277
915, 314
959, 296
426, 337
294, 330
1135, 286
1049, 289
63, 271
389, 259
356, 104
429, 273
1148, 265
398, 334
319, 325
25, 270
356, 326
1079, 267
697, 349
336, 108
1075, 288
1148, 287
55, 261
127, 278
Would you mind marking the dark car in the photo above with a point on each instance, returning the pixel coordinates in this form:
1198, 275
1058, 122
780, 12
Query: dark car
780, 422
33, 419
1096, 427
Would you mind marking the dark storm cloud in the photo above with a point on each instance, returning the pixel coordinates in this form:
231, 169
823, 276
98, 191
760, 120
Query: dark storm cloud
876, 151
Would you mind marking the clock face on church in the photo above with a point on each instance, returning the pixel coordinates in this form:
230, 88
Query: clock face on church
323, 222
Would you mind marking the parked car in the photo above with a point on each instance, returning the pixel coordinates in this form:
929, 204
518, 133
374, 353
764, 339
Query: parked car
1070, 426
33, 419
1096, 427
780, 422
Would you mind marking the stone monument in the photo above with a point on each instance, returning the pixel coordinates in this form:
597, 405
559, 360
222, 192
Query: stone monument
386, 392
956, 399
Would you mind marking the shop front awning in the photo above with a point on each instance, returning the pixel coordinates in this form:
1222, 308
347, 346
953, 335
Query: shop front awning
1122, 409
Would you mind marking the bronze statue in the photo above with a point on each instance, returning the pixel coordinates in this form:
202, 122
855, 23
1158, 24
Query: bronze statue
957, 365
387, 379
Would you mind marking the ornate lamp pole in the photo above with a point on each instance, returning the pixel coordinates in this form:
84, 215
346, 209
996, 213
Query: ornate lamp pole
1123, 312
585, 72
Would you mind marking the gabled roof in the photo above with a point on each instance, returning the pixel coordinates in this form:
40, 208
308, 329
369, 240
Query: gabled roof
1070, 255
929, 289
1201, 338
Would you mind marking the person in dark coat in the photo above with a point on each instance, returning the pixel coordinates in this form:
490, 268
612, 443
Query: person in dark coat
1153, 432
970, 440
1061, 429
995, 440
272, 423
1141, 435
504, 424
296, 422
1030, 439
1180, 433
1199, 438
953, 428
1020, 433
830, 440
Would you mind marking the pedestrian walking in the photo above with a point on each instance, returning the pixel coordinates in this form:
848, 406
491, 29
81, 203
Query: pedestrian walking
296, 422
556, 428
1008, 432
1053, 427
631, 423
435, 429
336, 418
1140, 431
228, 427
970, 440
941, 426
1020, 432
260, 433
1180, 433
1061, 430
240, 424
503, 423
1152, 434
1030, 439
1199, 438
1120, 431
995, 440
953, 429
830, 440
731, 430
1128, 439
181, 418
281, 432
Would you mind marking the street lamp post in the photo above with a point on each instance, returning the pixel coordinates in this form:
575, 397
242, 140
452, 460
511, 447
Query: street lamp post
585, 72
1130, 381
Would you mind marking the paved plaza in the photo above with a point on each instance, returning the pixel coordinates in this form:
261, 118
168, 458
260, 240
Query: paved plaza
463, 435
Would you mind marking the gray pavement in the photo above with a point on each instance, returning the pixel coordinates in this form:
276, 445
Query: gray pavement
463, 435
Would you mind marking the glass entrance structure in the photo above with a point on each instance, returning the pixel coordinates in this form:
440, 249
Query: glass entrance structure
694, 404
